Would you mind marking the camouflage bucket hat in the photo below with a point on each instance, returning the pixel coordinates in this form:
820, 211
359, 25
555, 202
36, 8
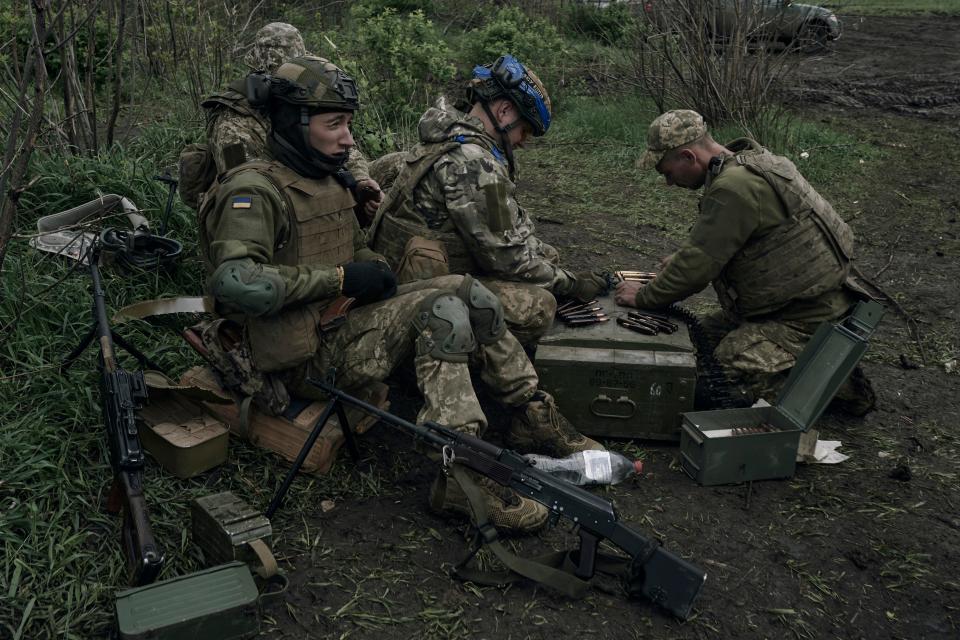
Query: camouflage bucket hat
315, 83
274, 43
671, 130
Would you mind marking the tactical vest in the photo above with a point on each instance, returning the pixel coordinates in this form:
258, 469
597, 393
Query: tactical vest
398, 219
321, 232
807, 255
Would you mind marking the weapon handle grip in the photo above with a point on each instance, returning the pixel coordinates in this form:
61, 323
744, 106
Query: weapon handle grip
586, 562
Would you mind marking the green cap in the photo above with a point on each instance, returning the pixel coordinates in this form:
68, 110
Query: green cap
671, 130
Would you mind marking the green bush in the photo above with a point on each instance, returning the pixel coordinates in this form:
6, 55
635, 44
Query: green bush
374, 7
533, 41
612, 24
400, 63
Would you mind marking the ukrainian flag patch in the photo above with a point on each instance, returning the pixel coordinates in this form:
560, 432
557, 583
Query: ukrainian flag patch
241, 202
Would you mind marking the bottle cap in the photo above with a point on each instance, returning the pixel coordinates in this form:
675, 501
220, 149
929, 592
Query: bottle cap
638, 466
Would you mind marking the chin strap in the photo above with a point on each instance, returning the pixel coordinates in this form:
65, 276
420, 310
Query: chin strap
504, 137
307, 162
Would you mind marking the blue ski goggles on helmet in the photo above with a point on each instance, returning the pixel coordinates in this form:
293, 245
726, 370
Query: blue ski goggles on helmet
512, 77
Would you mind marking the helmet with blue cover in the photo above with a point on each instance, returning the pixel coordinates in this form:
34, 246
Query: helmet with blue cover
509, 78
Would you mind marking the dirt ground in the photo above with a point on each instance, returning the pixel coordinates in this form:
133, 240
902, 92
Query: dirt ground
865, 549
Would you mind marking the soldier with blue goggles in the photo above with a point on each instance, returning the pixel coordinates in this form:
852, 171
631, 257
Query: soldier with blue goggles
452, 206
508, 77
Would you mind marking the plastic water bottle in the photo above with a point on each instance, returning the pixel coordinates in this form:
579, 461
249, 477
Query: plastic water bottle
588, 467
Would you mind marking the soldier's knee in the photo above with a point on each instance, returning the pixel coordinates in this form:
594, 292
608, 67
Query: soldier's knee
545, 307
248, 287
486, 312
447, 318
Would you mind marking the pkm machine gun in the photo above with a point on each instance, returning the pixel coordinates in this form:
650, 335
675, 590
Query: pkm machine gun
121, 394
649, 570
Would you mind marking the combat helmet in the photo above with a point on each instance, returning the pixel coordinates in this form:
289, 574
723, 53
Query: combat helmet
509, 78
274, 43
298, 89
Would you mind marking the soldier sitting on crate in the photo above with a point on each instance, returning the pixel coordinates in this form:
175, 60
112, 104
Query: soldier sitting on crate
282, 245
451, 209
775, 250
237, 131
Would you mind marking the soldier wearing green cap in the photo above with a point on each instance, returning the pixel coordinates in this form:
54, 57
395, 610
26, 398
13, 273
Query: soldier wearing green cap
776, 252
282, 246
454, 195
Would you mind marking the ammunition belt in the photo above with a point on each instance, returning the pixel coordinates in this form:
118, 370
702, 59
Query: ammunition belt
720, 391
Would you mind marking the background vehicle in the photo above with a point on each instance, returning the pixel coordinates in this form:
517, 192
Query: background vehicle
808, 26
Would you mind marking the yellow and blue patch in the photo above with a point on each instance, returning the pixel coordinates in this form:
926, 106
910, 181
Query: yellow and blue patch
241, 202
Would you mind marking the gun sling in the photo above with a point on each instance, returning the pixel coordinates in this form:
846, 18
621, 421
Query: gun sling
557, 570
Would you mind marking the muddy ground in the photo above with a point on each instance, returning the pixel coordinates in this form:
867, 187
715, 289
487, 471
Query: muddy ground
865, 549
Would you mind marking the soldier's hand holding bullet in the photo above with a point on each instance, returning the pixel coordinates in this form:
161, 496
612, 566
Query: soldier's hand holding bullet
587, 285
626, 292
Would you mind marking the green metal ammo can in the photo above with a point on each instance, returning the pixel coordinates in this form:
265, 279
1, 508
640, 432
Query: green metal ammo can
214, 604
226, 528
760, 443
610, 381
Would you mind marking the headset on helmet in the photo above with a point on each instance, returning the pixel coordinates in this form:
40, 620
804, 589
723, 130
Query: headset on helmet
297, 90
509, 78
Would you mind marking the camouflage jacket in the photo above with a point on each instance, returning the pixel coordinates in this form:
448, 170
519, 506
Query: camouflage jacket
466, 197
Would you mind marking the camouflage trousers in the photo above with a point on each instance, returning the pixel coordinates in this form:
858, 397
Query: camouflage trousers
528, 309
758, 357
378, 337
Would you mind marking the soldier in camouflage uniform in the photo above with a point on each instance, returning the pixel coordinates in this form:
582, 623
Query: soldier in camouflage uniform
457, 187
282, 244
238, 130
776, 252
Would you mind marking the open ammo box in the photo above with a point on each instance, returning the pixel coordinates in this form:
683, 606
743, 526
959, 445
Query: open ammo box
760, 443
613, 382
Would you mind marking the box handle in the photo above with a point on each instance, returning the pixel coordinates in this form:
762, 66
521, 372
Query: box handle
688, 461
605, 399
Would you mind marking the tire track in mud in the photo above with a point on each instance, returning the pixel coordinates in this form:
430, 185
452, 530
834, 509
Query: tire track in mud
917, 96
903, 65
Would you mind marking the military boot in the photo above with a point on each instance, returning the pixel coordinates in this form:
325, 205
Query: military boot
539, 427
506, 509
855, 396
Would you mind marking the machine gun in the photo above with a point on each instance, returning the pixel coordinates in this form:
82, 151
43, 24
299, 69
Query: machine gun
648, 570
121, 394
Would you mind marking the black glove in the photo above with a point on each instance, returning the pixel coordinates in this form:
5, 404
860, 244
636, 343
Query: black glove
368, 281
587, 285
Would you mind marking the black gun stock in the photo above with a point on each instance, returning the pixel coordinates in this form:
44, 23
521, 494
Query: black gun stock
652, 571
121, 394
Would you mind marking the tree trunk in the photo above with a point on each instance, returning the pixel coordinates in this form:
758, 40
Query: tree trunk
16, 156
117, 66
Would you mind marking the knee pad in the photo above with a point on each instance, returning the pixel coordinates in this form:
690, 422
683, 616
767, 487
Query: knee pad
451, 336
248, 287
486, 312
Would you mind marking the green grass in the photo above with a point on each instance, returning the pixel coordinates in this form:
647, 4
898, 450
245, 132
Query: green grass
594, 144
894, 7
